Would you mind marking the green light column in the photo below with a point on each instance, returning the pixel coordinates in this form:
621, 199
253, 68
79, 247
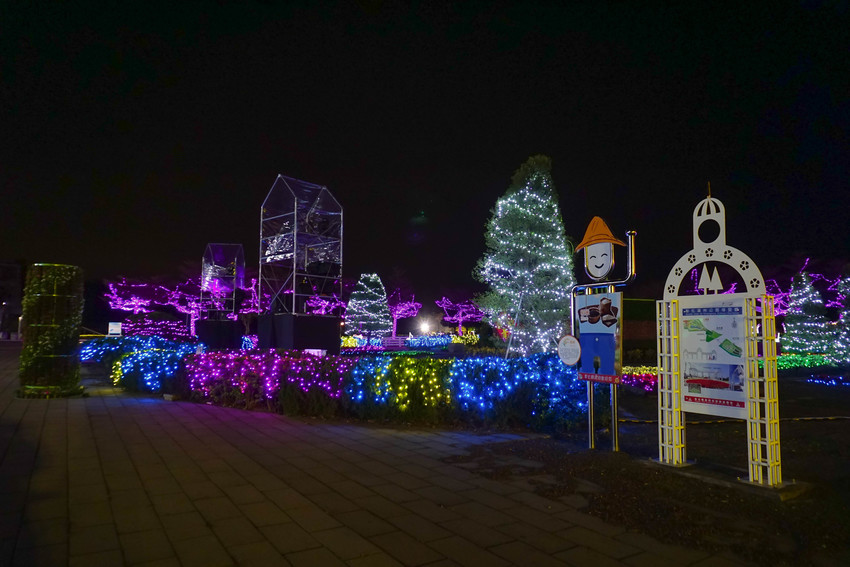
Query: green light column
52, 315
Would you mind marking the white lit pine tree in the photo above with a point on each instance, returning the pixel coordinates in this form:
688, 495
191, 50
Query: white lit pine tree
367, 312
840, 351
806, 328
527, 264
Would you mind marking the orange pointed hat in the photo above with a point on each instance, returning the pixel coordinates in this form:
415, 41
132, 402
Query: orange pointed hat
597, 231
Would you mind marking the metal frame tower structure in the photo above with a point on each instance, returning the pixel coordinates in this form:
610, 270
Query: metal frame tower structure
301, 226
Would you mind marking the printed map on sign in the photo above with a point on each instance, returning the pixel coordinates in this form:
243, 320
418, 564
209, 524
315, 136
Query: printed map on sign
712, 340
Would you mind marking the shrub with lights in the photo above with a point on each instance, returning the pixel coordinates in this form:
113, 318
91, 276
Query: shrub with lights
139, 363
150, 370
247, 379
536, 391
528, 265
400, 387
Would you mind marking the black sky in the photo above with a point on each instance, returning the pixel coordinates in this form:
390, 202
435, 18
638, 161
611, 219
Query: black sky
135, 135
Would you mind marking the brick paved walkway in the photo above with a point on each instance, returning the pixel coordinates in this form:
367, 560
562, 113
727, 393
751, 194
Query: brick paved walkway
119, 479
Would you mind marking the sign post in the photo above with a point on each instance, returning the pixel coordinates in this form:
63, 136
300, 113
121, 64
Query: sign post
598, 308
717, 351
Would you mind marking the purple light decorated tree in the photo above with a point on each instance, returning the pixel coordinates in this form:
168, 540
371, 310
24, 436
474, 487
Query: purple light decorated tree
125, 297
139, 297
317, 305
460, 312
402, 309
185, 298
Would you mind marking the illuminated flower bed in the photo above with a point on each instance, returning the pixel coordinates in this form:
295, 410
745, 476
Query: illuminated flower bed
138, 362
643, 377
536, 390
266, 371
531, 390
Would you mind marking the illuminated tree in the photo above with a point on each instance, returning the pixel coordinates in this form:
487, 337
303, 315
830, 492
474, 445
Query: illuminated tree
403, 309
460, 312
367, 312
317, 305
805, 321
140, 297
840, 351
527, 264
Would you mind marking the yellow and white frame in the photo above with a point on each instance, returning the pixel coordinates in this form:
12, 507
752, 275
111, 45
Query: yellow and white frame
762, 400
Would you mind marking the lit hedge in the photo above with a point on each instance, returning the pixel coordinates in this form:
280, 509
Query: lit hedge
533, 390
536, 391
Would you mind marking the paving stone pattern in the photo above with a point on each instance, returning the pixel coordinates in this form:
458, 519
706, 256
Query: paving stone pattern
121, 479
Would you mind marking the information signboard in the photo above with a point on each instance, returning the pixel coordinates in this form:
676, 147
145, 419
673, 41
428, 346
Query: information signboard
712, 347
599, 327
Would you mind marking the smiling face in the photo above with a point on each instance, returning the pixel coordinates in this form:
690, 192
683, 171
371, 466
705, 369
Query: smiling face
598, 260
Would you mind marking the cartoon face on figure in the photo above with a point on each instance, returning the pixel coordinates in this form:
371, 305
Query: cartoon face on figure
598, 244
599, 260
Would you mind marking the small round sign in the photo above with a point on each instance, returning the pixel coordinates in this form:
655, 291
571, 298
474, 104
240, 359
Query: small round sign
569, 350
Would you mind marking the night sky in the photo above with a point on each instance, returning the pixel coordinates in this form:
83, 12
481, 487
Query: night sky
132, 136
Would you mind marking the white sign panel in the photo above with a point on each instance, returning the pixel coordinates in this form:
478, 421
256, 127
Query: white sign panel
569, 350
711, 334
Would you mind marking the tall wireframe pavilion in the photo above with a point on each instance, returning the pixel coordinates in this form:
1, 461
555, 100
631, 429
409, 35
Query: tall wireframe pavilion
300, 246
222, 280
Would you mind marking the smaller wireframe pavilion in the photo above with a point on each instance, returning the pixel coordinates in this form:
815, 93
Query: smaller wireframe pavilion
300, 246
222, 280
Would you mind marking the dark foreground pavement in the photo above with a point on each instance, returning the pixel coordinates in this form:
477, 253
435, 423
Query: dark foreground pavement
120, 479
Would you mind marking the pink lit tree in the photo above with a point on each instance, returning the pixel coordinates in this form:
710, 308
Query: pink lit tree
402, 309
460, 312
324, 305
139, 297
125, 297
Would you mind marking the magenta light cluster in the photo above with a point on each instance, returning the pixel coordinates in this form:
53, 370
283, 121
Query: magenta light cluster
402, 309
460, 312
184, 298
270, 369
147, 327
325, 305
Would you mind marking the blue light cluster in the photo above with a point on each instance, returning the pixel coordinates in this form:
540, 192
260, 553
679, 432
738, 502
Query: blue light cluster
428, 341
149, 367
829, 380
149, 360
99, 349
481, 384
250, 342
365, 377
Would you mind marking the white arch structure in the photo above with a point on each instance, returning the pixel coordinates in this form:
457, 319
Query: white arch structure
755, 312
